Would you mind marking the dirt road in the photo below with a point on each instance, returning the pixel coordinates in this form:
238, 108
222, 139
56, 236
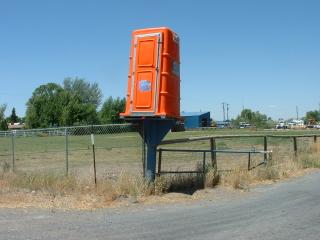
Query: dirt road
287, 210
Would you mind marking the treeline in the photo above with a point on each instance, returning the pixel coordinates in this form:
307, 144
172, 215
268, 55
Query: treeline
255, 119
78, 102
75, 102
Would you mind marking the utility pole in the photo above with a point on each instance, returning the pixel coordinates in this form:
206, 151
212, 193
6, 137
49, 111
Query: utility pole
297, 112
228, 111
224, 111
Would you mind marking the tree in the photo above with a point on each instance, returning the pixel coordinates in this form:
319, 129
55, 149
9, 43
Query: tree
111, 109
256, 119
13, 117
3, 122
77, 113
313, 116
74, 104
83, 101
87, 93
45, 107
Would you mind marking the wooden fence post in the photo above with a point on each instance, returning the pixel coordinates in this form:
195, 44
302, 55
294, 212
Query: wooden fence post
315, 138
213, 154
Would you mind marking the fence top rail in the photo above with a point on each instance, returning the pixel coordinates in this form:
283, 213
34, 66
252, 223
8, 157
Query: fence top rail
213, 151
191, 139
61, 129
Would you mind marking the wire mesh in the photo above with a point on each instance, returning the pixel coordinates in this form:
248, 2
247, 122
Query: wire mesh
69, 149
118, 147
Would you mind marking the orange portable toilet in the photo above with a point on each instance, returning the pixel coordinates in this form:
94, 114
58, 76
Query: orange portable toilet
154, 74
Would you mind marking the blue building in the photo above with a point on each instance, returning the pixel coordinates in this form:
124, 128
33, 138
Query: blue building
196, 119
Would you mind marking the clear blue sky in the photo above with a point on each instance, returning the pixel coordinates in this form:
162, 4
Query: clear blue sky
264, 55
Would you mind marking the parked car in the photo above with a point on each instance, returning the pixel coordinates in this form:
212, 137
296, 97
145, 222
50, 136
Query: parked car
281, 125
316, 126
244, 125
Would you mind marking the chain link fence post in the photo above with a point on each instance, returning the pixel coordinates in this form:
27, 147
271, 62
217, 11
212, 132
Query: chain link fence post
13, 149
67, 150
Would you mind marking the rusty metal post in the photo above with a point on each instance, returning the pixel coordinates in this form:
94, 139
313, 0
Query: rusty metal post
67, 150
13, 151
94, 160
265, 148
295, 147
249, 161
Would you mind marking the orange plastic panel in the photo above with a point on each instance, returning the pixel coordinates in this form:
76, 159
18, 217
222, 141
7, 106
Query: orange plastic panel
154, 74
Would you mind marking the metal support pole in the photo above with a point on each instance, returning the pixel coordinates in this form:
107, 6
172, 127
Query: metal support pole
154, 131
204, 169
12, 148
265, 148
151, 162
94, 160
67, 150
159, 162
213, 154
295, 147
249, 161
143, 152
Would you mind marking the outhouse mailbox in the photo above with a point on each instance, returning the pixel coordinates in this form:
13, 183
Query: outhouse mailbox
154, 74
153, 95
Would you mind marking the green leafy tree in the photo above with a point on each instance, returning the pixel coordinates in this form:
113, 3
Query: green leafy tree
74, 104
111, 109
77, 113
313, 115
3, 121
13, 117
45, 107
87, 93
256, 119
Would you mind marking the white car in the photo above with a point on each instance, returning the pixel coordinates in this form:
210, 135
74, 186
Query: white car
281, 125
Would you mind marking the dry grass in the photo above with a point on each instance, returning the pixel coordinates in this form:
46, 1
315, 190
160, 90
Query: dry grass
133, 186
282, 165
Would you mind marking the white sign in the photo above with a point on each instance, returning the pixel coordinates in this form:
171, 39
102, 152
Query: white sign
92, 139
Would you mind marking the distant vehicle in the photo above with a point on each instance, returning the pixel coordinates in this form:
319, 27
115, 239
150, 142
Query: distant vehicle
222, 124
178, 127
316, 126
244, 125
281, 125
296, 124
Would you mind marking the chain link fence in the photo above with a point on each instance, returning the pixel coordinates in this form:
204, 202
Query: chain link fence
118, 147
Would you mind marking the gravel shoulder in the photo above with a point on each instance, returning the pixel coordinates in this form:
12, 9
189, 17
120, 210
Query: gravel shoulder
286, 210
